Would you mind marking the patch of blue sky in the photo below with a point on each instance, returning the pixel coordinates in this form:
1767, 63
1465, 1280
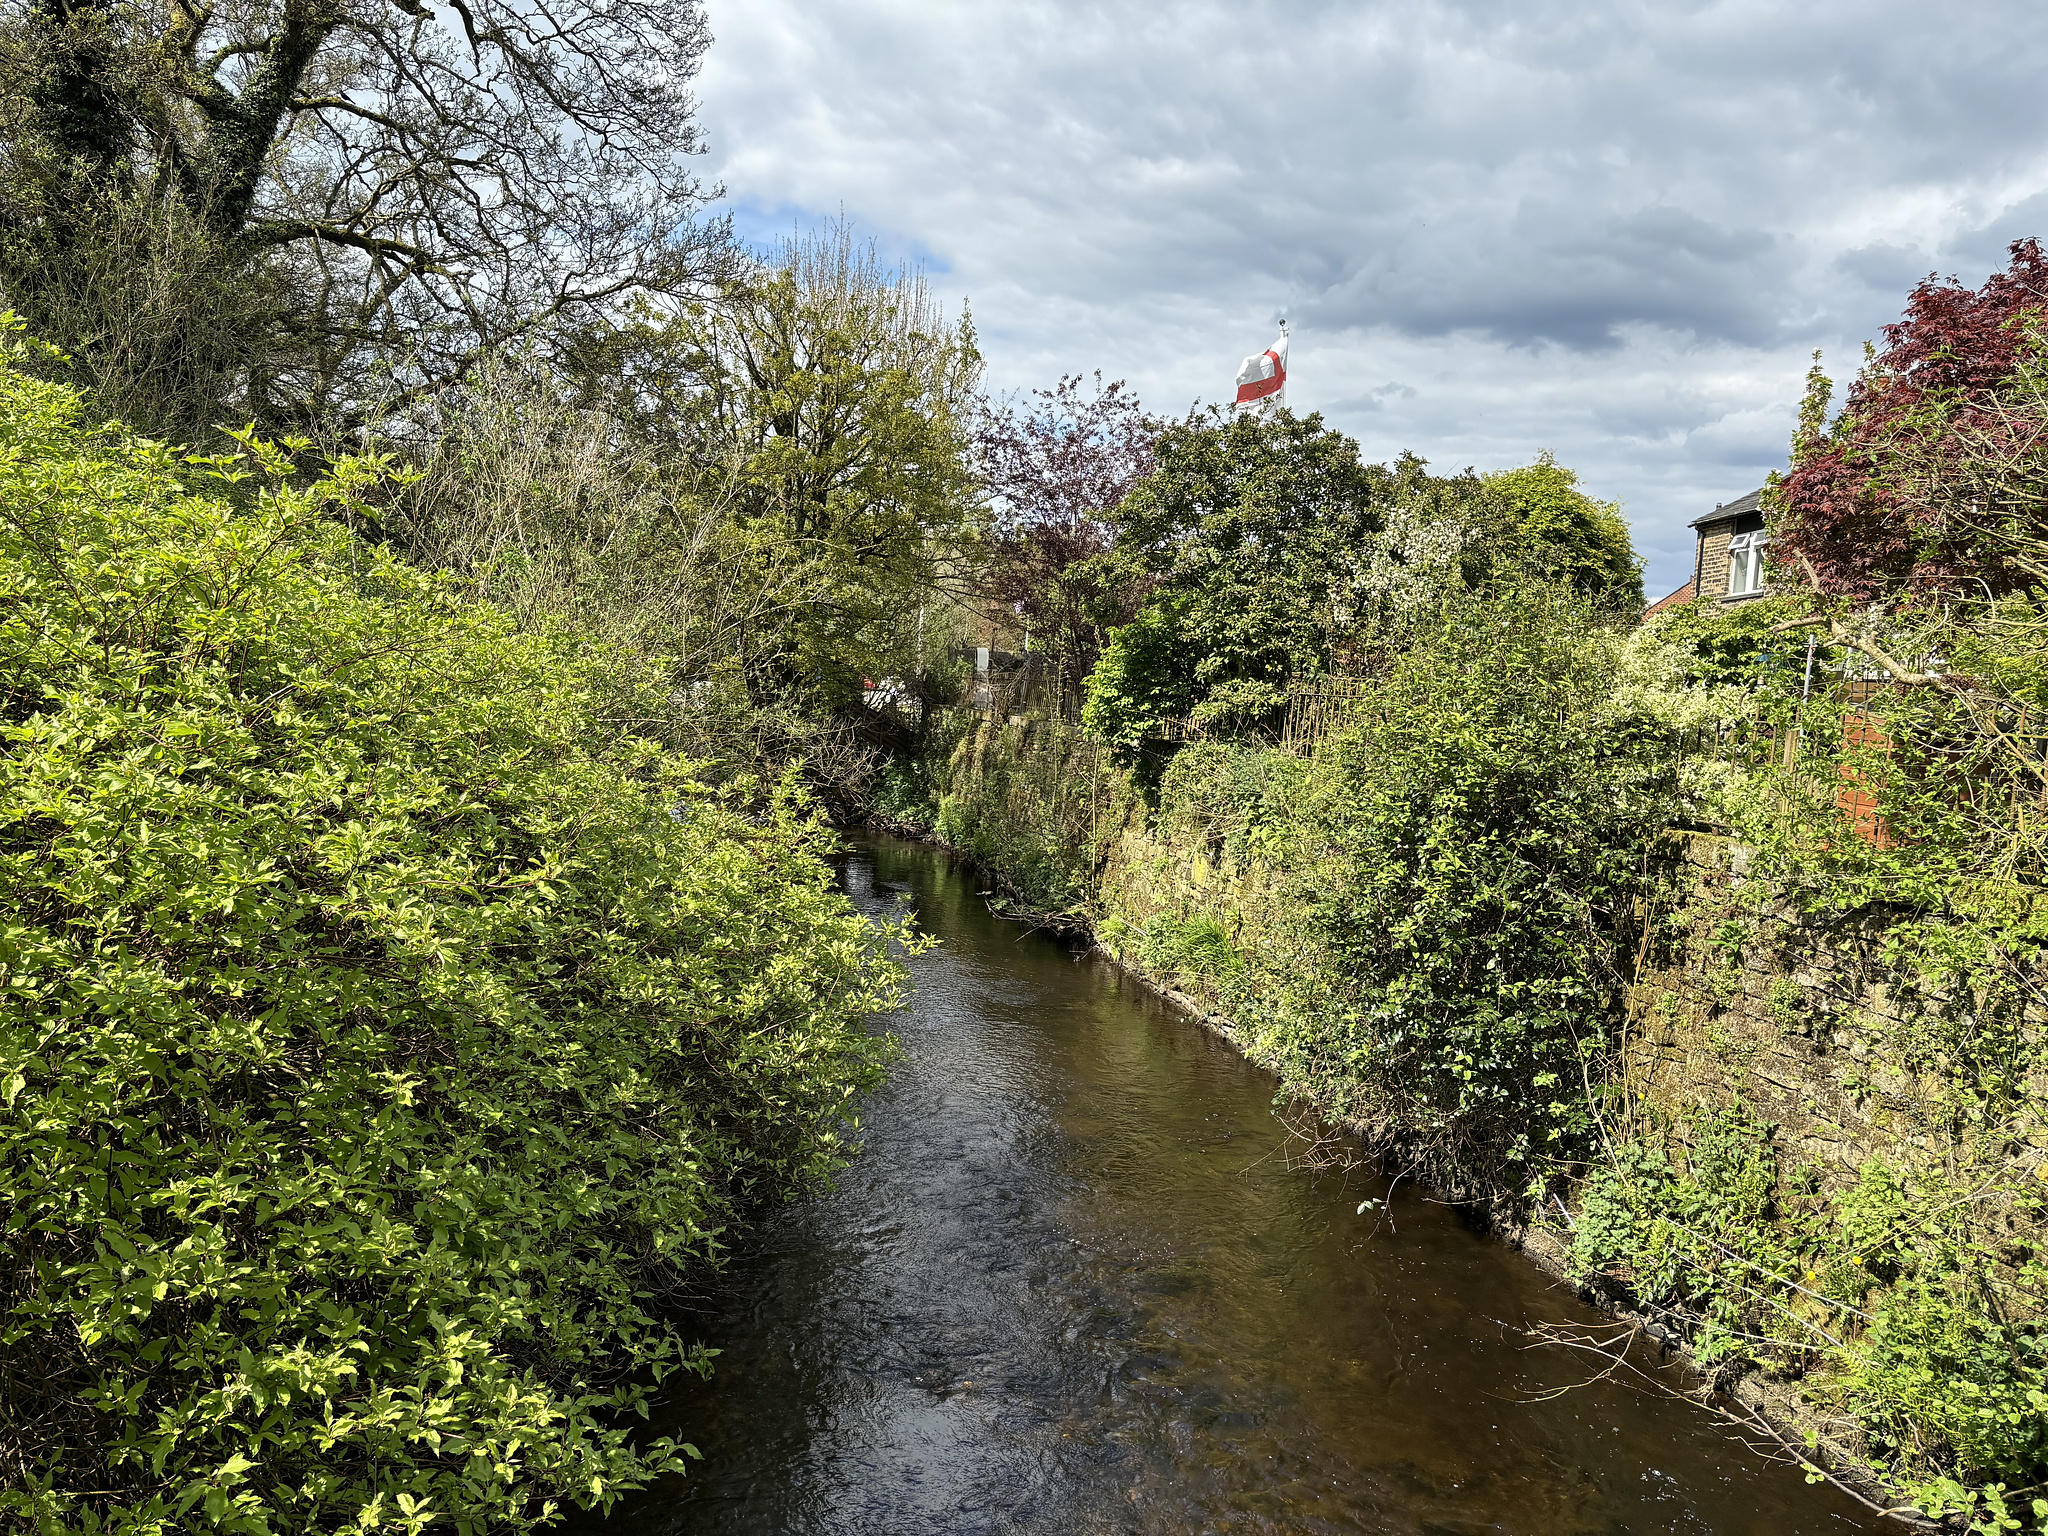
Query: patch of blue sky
764, 226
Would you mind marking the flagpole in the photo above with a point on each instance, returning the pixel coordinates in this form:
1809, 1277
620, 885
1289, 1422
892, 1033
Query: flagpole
1280, 400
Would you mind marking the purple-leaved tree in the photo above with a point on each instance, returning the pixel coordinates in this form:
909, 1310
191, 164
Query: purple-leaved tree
1056, 463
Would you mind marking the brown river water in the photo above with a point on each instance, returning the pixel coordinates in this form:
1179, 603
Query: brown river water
1074, 1284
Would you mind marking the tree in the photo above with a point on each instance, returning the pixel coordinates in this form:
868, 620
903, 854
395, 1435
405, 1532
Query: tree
551, 506
1056, 465
823, 399
1246, 529
1933, 479
1269, 553
410, 182
1059, 464
1569, 535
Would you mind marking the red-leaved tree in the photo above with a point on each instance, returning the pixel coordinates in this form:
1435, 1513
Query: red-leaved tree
1932, 479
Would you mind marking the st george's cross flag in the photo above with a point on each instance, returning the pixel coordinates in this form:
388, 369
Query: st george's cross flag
1262, 380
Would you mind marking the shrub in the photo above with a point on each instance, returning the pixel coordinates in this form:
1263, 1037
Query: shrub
1145, 679
1232, 799
379, 1034
1568, 535
904, 793
1462, 851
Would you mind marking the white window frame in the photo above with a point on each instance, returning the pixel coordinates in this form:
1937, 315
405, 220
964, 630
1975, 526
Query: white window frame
1746, 564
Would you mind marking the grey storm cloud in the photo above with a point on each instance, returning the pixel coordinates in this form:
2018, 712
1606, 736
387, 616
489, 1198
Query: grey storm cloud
1577, 277
1613, 230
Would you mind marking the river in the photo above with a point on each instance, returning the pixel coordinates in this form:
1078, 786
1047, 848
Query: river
1075, 1285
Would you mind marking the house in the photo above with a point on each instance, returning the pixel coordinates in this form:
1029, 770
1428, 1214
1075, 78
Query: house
1728, 558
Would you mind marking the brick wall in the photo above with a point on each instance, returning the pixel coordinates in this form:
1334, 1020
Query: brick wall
1714, 559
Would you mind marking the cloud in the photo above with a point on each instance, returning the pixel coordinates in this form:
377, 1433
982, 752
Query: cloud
1889, 269
1611, 228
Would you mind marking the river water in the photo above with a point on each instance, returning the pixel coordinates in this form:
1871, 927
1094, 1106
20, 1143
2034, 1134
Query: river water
1073, 1285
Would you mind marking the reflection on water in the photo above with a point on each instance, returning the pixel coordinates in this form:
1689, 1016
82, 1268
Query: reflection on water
1071, 1286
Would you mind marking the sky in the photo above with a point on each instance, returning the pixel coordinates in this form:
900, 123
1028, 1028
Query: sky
1613, 231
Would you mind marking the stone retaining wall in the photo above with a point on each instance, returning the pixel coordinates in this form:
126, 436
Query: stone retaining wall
1804, 1025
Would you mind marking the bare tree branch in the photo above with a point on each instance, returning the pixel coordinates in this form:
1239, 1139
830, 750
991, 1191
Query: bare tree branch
416, 183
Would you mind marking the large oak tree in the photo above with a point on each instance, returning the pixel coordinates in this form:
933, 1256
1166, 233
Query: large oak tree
370, 181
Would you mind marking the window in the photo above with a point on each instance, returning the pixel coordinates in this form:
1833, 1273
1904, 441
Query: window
1746, 564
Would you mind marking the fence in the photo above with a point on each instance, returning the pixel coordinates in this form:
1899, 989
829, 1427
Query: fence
1320, 706
1314, 709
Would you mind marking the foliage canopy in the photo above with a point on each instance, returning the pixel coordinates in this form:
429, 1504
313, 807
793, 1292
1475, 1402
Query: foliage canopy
1271, 553
821, 401
1056, 465
1240, 530
1568, 534
1928, 482
380, 1031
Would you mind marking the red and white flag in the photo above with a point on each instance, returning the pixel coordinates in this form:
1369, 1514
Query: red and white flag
1262, 380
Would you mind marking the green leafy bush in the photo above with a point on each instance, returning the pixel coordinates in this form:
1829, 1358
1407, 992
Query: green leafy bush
1146, 677
1233, 799
1882, 1298
379, 1033
904, 792
1570, 536
1459, 855
1738, 644
1665, 1224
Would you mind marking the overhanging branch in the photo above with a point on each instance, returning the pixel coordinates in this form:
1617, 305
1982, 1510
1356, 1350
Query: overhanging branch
1858, 638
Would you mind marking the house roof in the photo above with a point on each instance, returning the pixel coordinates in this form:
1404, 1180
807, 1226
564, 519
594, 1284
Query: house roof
1753, 502
1684, 594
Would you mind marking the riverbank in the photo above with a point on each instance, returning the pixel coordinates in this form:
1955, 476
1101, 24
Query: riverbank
1751, 1066
1080, 1280
1749, 1407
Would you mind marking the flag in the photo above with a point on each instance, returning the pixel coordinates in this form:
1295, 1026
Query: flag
1262, 380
